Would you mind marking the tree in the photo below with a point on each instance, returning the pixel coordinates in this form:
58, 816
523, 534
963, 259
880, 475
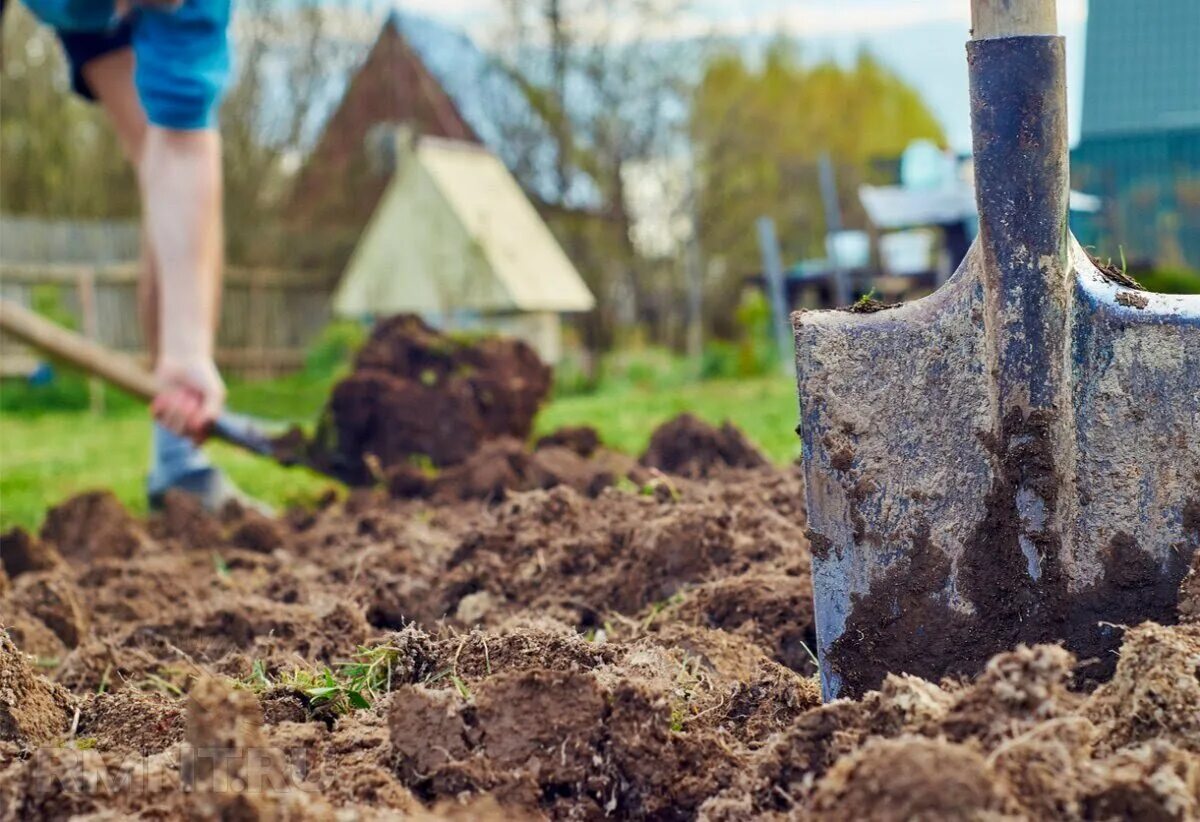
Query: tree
759, 135
294, 59
58, 157
596, 98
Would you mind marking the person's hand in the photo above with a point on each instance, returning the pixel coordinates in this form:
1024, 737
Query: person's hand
191, 395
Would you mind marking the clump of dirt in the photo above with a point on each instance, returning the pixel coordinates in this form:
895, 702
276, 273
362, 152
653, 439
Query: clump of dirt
870, 305
583, 440
641, 651
21, 553
32, 710
93, 526
938, 780
416, 393
184, 518
691, 448
505, 466
54, 601
1155, 694
1116, 274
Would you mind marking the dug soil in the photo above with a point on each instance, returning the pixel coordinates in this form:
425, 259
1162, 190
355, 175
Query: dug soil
556, 633
419, 397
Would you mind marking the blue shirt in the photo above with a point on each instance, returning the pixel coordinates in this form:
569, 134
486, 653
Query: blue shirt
183, 54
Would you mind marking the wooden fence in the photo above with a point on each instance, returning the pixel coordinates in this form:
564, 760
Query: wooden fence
268, 318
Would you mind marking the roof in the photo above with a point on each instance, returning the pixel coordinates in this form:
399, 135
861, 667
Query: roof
393, 86
1143, 67
455, 231
524, 255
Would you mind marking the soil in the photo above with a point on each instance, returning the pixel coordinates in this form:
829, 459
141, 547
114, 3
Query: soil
692, 448
417, 395
883, 630
558, 650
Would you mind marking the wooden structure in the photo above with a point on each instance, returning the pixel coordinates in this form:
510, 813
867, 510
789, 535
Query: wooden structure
456, 240
268, 318
342, 181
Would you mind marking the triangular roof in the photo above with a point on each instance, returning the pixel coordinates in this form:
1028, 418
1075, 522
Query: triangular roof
394, 86
455, 232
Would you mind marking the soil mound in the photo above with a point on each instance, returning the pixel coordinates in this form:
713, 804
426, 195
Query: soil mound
505, 466
692, 448
21, 552
419, 394
583, 440
32, 710
637, 652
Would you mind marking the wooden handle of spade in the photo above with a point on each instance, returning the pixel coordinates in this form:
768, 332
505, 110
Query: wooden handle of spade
95, 359
120, 371
1013, 18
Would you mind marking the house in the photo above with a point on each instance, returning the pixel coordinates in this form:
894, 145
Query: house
339, 186
455, 239
1140, 139
402, 196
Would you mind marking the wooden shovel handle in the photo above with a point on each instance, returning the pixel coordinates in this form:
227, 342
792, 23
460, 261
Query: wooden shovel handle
122, 372
78, 351
1013, 18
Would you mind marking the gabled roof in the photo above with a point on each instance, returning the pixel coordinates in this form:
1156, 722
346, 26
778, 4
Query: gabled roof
524, 255
393, 86
492, 250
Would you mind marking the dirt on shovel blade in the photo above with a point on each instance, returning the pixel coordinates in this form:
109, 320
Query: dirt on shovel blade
631, 652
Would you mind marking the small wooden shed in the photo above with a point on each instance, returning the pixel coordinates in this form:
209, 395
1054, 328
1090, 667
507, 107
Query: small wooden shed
455, 239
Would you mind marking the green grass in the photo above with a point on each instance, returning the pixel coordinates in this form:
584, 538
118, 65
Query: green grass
46, 456
764, 407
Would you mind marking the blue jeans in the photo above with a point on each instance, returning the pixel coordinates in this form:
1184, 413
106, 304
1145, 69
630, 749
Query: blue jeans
177, 462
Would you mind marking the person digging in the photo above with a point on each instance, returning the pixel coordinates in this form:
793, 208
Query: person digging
159, 69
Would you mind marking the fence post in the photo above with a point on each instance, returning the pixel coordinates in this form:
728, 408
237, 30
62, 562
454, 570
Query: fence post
768, 243
86, 287
256, 310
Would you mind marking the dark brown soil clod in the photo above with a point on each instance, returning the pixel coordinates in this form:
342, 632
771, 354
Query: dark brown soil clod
419, 394
691, 448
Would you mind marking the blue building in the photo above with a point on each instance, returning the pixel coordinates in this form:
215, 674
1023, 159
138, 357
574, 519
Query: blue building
1140, 141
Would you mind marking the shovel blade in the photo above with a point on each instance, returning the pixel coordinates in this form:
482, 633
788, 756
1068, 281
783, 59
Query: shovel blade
945, 531
1015, 459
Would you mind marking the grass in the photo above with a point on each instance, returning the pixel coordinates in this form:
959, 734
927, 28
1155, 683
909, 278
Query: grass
46, 456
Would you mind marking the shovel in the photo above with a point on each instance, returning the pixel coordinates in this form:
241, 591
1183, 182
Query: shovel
245, 433
1016, 458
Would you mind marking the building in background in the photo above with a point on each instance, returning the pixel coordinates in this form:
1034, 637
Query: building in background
1140, 142
455, 239
404, 197
341, 182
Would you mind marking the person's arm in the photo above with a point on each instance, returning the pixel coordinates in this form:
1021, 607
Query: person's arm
181, 189
182, 69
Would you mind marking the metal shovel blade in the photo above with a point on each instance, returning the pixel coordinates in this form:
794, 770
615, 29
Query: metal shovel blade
1016, 458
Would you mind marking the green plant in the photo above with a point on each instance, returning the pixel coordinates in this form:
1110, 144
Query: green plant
354, 685
334, 348
720, 361
220, 565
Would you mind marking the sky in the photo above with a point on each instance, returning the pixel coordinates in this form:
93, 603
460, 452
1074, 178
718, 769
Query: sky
736, 17
920, 39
